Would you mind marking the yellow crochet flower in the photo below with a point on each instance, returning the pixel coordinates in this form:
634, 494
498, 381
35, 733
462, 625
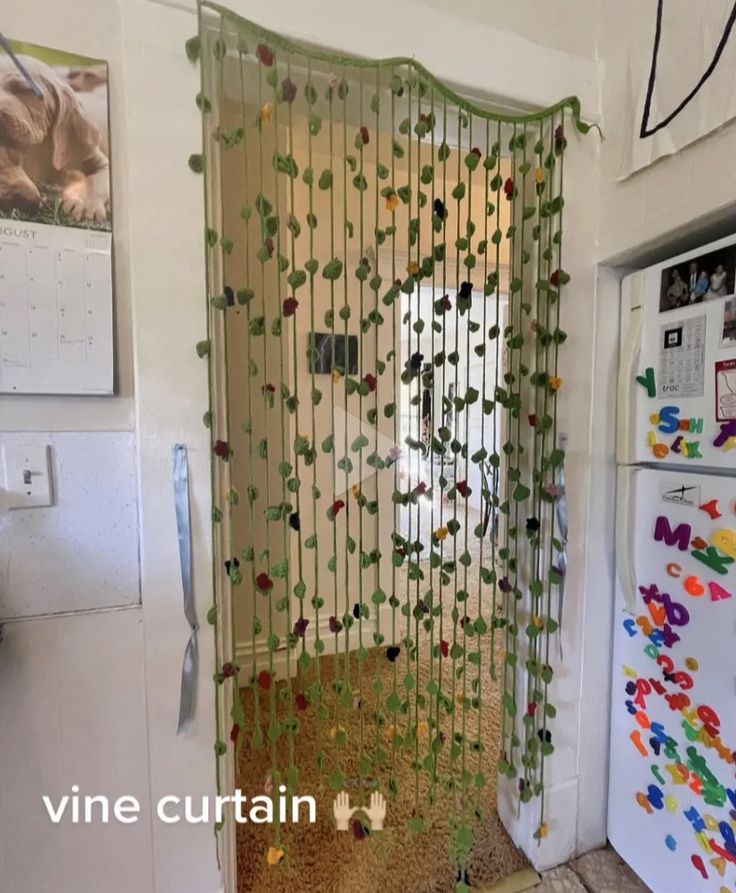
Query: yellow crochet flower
266, 111
539, 176
274, 855
422, 731
392, 202
413, 268
356, 491
543, 830
441, 534
335, 731
555, 383
538, 622
336, 375
390, 733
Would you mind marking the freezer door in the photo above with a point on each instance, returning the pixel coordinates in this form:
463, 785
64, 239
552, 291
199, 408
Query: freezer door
677, 379
672, 792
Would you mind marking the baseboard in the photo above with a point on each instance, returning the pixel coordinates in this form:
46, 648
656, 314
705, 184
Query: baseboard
244, 650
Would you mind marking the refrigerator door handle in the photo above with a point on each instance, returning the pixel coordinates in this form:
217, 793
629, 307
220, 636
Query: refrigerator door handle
629, 355
625, 526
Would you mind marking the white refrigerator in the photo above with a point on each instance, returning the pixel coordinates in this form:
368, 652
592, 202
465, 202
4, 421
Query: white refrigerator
672, 792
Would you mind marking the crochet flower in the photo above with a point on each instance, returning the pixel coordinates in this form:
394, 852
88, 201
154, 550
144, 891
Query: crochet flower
336, 506
543, 830
356, 611
559, 137
336, 375
554, 490
335, 731
555, 383
392, 201
420, 489
531, 709
422, 731
416, 361
475, 151
532, 525
508, 188
274, 855
392, 652
532, 420
264, 582
466, 289
235, 733
335, 625
445, 303
505, 585
264, 54
444, 648
371, 381
290, 305
222, 449
264, 680
441, 534
364, 135
266, 112
228, 670
395, 453
294, 521
301, 702
439, 208
463, 489
269, 246
356, 491
539, 176
288, 90
413, 268
538, 622
300, 627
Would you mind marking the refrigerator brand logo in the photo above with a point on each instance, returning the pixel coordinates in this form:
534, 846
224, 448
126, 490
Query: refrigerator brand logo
682, 495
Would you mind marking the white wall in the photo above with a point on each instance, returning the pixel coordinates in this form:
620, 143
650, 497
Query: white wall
74, 689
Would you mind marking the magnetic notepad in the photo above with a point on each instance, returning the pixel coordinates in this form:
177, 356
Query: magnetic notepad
56, 328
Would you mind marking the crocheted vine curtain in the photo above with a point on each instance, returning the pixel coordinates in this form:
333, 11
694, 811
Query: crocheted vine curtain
385, 285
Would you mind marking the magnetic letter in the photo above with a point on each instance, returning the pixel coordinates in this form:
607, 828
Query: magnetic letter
669, 419
716, 562
717, 592
679, 537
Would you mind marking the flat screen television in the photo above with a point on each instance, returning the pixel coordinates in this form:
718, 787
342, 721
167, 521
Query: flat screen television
329, 352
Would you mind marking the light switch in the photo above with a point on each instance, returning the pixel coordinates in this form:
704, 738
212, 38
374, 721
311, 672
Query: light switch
27, 476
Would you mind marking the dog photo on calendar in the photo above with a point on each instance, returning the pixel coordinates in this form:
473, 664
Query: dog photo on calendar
54, 137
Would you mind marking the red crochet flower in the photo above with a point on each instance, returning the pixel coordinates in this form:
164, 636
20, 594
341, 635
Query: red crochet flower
508, 188
444, 648
475, 151
290, 305
235, 733
265, 680
371, 381
228, 670
264, 54
336, 506
463, 489
364, 135
300, 702
264, 582
221, 448
531, 709
554, 279
420, 489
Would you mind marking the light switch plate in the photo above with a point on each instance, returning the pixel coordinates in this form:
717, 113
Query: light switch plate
27, 476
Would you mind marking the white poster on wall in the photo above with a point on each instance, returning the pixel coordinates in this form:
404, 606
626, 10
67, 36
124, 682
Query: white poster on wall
684, 87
